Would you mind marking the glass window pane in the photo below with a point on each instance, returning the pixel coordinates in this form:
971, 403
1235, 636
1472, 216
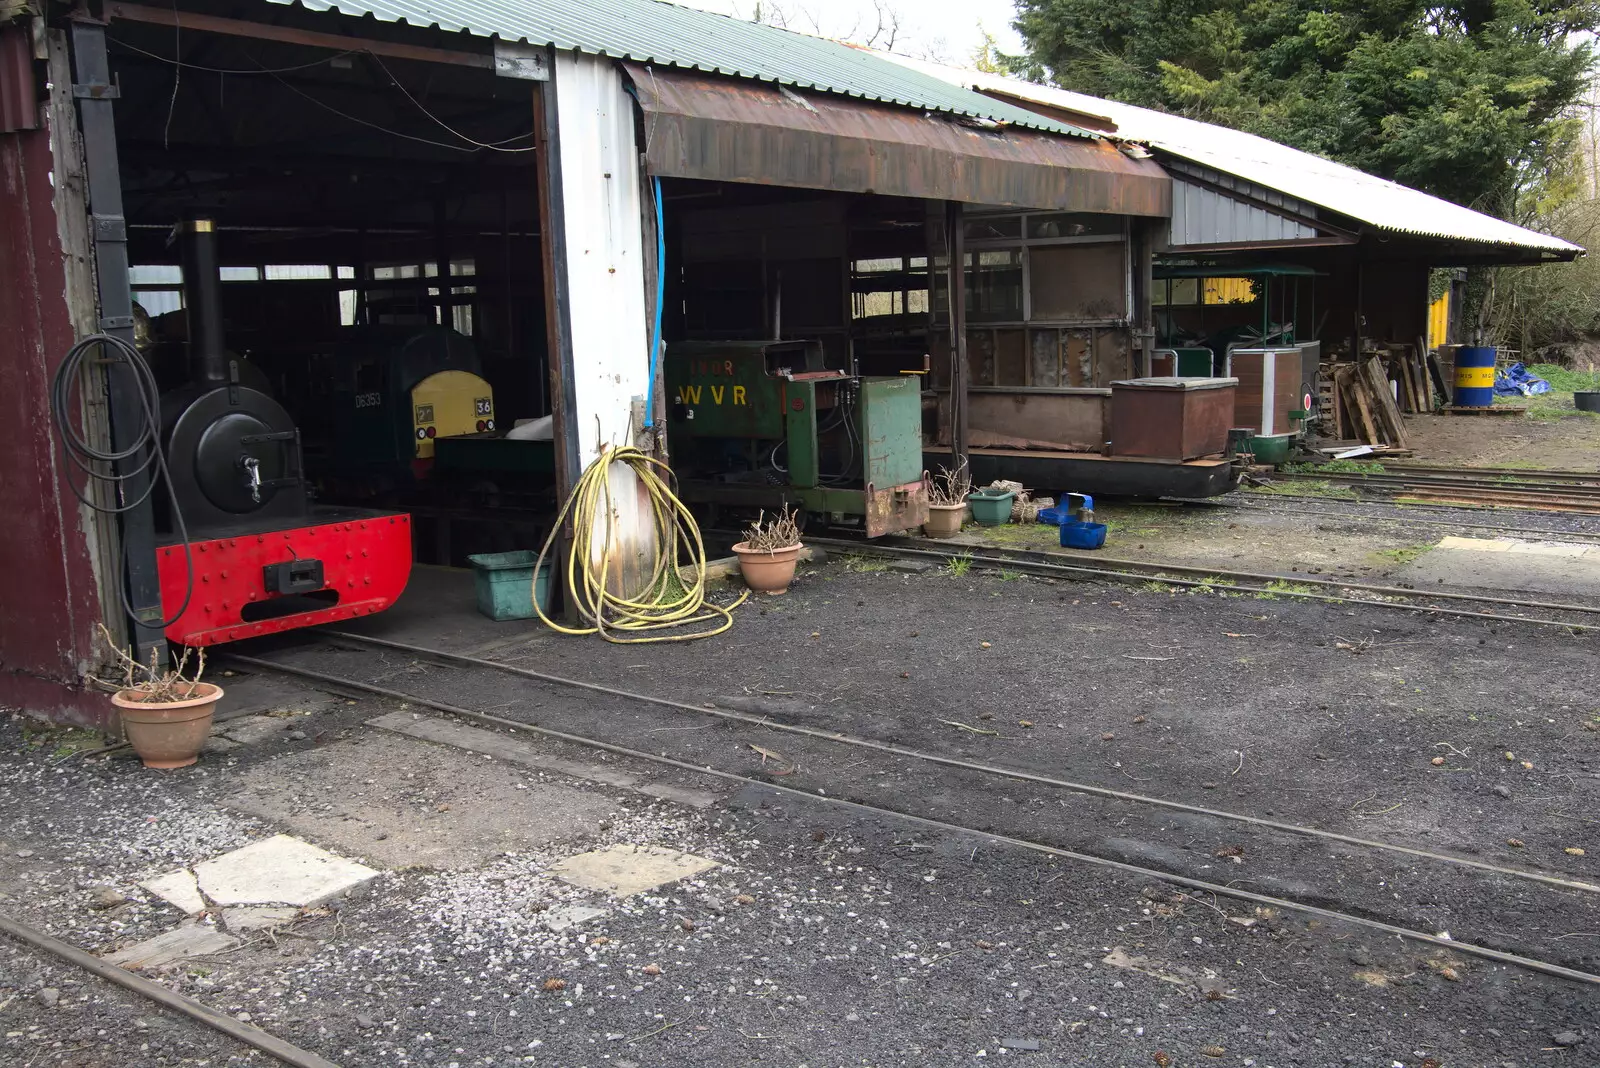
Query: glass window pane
1074, 224
994, 286
240, 274
296, 272
155, 274
999, 226
157, 302
1185, 291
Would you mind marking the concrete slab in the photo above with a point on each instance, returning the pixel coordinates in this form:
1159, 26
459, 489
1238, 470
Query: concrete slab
1557, 570
400, 802
190, 940
253, 730
178, 888
279, 871
251, 694
259, 917
526, 752
625, 870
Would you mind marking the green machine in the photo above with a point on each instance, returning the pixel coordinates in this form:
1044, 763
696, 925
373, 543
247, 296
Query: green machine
764, 424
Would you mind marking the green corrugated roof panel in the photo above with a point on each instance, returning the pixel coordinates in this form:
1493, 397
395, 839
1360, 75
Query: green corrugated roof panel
650, 31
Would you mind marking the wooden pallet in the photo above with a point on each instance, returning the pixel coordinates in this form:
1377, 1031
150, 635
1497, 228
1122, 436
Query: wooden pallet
1498, 409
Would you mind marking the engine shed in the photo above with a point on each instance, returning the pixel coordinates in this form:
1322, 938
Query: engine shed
438, 269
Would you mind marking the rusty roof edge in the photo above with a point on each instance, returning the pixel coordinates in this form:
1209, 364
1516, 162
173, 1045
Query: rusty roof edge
1017, 116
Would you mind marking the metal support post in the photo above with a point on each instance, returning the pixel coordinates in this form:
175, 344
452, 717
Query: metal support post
94, 91
955, 245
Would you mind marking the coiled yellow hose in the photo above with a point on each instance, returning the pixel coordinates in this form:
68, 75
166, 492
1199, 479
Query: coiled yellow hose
666, 601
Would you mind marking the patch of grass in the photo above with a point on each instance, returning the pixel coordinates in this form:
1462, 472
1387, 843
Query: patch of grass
959, 565
1008, 576
1563, 380
1406, 553
1279, 586
61, 741
1342, 467
1549, 407
1154, 586
1214, 584
1306, 489
1023, 534
865, 562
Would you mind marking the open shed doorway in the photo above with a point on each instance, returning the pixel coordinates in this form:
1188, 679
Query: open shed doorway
378, 224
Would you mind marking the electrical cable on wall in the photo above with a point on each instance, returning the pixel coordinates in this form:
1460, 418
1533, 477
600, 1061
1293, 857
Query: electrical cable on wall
115, 468
666, 600
472, 144
661, 294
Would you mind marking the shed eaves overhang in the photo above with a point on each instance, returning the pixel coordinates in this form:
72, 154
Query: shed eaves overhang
719, 129
1451, 234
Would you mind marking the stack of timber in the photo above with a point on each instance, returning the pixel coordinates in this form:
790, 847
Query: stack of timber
1364, 406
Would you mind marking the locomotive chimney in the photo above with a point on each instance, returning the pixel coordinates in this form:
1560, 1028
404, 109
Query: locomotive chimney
202, 292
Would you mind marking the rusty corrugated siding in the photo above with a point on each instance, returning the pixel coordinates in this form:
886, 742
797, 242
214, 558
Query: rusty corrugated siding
19, 93
47, 631
703, 126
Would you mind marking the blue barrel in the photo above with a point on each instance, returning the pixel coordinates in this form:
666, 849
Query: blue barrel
1474, 377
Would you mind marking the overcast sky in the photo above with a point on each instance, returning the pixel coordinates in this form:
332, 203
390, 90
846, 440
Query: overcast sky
937, 29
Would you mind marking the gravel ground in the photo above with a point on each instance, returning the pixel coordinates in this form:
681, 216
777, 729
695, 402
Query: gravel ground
52, 1013
824, 938
828, 937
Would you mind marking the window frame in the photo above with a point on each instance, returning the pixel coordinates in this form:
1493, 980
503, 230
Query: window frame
1025, 243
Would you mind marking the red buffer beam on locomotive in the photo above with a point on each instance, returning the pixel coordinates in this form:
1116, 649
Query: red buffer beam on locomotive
244, 552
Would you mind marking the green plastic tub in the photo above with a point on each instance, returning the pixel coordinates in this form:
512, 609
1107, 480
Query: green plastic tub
991, 507
505, 585
1271, 448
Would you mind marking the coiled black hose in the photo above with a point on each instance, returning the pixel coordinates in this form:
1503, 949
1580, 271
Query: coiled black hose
116, 468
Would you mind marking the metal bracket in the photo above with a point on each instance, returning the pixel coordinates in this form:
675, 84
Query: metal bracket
109, 227
116, 322
96, 91
525, 62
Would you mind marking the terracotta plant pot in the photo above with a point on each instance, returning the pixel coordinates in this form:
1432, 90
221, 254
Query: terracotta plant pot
944, 520
168, 734
767, 572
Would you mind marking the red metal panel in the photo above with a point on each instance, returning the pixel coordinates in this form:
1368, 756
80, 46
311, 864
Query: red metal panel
47, 627
365, 561
19, 94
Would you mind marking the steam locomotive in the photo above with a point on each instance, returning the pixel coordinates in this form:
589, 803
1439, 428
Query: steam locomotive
241, 549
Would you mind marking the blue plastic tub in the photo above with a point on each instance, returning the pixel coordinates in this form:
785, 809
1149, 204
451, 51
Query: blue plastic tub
1076, 535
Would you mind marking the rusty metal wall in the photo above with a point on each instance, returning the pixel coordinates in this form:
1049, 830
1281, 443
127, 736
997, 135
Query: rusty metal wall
47, 628
722, 129
19, 109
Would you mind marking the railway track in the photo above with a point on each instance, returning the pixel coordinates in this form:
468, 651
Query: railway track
1297, 586
1270, 503
1549, 491
1385, 886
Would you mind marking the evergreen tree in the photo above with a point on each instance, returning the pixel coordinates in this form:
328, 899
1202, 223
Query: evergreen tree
1471, 100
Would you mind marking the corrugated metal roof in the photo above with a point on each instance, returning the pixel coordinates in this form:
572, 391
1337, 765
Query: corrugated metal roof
652, 31
1384, 204
713, 127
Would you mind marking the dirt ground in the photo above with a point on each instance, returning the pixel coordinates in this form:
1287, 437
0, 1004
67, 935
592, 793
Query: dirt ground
1551, 435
